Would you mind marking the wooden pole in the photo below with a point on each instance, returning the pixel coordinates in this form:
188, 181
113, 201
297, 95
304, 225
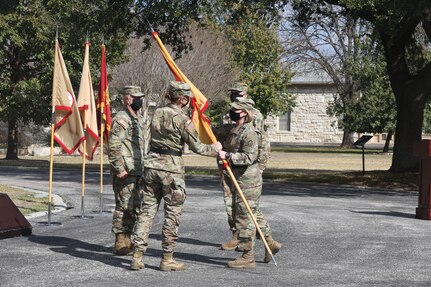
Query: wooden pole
84, 148
363, 160
102, 130
51, 163
244, 200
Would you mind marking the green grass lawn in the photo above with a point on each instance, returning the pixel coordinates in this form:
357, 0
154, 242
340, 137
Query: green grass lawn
323, 150
25, 200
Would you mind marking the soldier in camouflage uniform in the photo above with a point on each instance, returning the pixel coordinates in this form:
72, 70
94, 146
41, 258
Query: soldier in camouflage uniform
241, 150
171, 129
125, 145
239, 94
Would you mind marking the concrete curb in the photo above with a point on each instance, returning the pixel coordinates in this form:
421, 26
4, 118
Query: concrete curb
59, 204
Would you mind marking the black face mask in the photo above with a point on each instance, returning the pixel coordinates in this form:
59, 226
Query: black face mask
188, 100
234, 95
234, 116
136, 104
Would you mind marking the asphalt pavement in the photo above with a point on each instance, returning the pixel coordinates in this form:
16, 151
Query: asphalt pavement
331, 236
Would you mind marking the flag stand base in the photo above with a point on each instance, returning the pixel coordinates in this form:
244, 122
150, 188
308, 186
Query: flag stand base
103, 212
82, 217
46, 223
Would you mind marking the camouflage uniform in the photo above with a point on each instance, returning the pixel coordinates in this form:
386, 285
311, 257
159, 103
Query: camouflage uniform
262, 159
242, 144
241, 150
171, 129
125, 145
262, 156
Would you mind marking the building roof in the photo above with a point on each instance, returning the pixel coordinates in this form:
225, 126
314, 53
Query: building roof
317, 77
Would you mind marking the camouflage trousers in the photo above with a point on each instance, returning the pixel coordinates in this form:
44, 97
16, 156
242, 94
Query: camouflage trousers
127, 203
160, 185
230, 204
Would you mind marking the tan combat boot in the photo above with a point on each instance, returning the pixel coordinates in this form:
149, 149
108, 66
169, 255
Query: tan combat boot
274, 246
246, 260
137, 261
169, 264
120, 246
128, 241
231, 244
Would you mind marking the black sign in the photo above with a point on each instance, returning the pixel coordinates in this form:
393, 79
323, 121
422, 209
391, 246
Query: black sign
362, 140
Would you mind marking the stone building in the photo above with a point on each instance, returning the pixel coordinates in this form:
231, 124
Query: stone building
308, 122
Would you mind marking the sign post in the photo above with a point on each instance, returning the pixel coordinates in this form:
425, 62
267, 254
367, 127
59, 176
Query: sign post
361, 142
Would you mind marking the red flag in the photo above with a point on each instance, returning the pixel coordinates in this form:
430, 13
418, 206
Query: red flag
86, 105
103, 102
68, 131
199, 102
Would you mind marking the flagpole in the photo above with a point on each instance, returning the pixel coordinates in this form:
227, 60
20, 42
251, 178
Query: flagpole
51, 153
51, 162
102, 130
84, 149
102, 133
84, 153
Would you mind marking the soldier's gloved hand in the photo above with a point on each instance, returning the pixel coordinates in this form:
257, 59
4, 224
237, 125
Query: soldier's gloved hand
222, 154
218, 146
122, 175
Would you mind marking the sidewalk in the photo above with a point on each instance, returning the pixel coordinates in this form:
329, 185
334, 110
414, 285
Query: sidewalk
332, 236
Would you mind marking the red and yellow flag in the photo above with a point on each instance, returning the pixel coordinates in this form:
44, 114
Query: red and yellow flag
68, 131
199, 102
87, 108
103, 102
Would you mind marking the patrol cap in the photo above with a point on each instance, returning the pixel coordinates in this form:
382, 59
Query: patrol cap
134, 91
178, 89
239, 87
241, 105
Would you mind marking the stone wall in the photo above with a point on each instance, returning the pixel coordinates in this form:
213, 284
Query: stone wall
309, 121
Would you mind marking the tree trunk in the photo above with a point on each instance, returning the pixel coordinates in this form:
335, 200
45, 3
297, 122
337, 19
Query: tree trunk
12, 140
388, 141
408, 131
411, 92
347, 139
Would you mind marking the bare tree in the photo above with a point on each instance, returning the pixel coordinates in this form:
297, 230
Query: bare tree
208, 65
145, 69
331, 43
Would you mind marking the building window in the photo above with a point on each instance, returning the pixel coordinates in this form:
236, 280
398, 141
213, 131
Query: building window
284, 121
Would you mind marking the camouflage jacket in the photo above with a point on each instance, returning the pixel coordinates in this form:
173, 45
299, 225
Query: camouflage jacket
264, 149
171, 129
242, 144
125, 143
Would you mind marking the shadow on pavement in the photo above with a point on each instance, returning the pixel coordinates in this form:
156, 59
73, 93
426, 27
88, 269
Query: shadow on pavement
103, 254
326, 190
386, 213
191, 257
81, 249
191, 241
